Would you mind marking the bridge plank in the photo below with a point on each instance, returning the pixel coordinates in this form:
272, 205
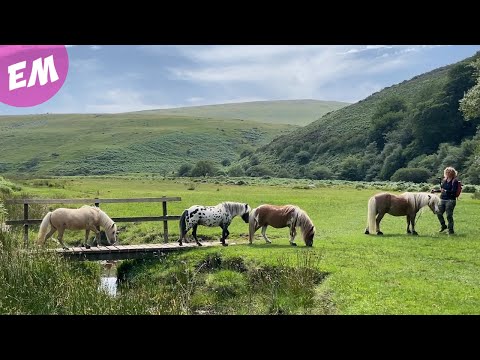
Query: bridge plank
121, 252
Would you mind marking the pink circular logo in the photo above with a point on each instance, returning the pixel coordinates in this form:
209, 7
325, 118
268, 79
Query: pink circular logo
31, 74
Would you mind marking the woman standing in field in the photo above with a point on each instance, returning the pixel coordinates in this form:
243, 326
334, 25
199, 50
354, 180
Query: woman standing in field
448, 198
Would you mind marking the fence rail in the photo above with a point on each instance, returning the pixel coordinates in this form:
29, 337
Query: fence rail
26, 221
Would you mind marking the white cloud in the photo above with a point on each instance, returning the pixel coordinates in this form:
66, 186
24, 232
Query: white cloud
121, 100
195, 99
290, 72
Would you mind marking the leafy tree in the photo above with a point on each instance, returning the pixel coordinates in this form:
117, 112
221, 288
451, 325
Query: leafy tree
226, 162
259, 170
203, 168
282, 173
416, 175
303, 157
386, 118
254, 160
392, 162
321, 173
236, 171
470, 104
184, 170
349, 169
287, 154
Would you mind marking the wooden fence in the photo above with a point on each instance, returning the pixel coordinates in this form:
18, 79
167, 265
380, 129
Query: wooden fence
26, 221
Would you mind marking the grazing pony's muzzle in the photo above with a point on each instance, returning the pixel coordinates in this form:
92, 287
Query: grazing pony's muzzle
309, 239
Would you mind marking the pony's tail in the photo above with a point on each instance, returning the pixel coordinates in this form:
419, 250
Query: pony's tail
43, 228
252, 222
183, 224
372, 212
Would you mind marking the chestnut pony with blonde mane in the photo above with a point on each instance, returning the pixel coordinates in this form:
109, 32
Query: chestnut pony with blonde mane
279, 217
407, 204
86, 218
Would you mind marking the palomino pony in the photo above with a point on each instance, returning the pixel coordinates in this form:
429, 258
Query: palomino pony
87, 217
407, 204
280, 217
219, 215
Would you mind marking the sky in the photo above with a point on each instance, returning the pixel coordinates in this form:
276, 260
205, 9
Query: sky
122, 78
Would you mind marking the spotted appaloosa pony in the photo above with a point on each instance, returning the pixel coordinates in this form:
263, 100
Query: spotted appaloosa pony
85, 218
219, 215
407, 204
280, 217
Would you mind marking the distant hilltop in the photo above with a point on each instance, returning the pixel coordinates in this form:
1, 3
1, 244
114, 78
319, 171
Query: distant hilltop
294, 112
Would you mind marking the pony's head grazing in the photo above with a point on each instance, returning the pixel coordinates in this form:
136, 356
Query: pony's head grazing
245, 216
109, 226
235, 209
308, 229
112, 233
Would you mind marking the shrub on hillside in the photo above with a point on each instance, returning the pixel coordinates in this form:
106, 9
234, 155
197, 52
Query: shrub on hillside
415, 175
258, 171
236, 171
184, 170
321, 173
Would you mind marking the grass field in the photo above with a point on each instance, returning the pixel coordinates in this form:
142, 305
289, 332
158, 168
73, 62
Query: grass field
366, 274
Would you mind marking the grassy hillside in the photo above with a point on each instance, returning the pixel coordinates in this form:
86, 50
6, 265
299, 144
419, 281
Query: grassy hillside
119, 143
401, 126
296, 112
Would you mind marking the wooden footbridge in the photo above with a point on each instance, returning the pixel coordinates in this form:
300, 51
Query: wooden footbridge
116, 252
122, 252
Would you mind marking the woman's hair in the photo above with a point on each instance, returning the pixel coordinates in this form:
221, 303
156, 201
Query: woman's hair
450, 170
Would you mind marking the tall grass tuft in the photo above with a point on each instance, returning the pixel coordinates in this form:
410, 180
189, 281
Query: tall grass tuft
43, 283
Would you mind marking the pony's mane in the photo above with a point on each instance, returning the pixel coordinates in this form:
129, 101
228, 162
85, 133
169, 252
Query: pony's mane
418, 200
235, 208
104, 218
304, 222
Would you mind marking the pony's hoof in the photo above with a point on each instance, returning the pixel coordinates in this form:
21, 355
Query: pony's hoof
293, 244
180, 244
87, 246
65, 248
415, 233
379, 233
409, 232
199, 244
224, 244
367, 232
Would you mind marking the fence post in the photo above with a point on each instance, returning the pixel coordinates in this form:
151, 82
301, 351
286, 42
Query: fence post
97, 204
165, 223
25, 225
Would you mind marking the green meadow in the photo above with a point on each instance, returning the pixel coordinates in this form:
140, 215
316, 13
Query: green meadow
348, 272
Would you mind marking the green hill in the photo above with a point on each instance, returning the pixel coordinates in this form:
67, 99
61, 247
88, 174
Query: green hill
414, 124
123, 143
295, 112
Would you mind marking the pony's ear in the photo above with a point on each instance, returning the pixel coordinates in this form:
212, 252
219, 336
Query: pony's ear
429, 196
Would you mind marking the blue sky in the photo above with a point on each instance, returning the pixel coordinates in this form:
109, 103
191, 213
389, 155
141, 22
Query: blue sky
120, 78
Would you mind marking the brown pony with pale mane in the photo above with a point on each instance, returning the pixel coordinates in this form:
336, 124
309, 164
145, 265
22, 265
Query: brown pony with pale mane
280, 217
87, 217
407, 204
